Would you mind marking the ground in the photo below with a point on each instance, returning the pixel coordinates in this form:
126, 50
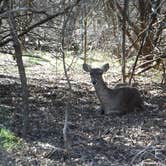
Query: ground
137, 138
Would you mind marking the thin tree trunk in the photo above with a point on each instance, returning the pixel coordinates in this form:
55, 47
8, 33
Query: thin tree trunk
145, 35
66, 134
124, 41
85, 34
21, 70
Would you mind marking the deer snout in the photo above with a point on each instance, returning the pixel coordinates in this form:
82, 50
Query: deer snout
94, 82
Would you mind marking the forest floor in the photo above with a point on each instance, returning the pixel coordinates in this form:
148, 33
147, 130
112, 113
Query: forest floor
137, 138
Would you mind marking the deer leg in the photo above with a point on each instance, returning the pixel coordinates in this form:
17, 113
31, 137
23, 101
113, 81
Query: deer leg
100, 110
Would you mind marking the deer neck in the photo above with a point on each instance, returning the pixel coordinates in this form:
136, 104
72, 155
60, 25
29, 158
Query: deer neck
102, 90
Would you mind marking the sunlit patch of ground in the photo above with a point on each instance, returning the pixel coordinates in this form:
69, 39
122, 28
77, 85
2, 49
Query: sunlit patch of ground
133, 139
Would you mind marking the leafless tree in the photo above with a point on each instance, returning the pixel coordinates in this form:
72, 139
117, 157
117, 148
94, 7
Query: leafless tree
141, 16
21, 69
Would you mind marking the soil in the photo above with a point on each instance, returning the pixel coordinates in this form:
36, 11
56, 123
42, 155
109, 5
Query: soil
137, 138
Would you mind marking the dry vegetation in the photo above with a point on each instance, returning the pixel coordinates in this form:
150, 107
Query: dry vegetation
96, 140
46, 121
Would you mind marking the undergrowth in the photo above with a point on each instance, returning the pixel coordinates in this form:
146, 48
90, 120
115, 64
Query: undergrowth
8, 140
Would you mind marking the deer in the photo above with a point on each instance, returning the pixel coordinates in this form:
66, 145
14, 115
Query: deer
120, 100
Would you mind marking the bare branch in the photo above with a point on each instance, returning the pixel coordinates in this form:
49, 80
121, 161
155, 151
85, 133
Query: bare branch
2, 43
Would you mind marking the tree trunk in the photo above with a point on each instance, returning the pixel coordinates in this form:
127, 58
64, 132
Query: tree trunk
124, 41
21, 70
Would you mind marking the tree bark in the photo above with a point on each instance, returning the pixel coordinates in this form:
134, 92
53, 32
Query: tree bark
21, 70
124, 41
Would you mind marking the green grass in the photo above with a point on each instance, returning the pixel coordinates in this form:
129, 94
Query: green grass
8, 140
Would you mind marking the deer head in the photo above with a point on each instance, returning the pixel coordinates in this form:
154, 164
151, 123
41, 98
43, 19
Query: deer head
96, 73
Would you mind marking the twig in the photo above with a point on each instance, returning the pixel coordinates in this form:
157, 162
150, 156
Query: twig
65, 132
144, 37
41, 22
140, 152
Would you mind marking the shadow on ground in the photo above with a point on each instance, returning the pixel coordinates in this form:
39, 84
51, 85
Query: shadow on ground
94, 139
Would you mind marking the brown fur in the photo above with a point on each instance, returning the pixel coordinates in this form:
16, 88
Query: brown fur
121, 99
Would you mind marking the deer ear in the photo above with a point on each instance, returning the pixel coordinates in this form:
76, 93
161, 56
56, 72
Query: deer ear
86, 67
105, 67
